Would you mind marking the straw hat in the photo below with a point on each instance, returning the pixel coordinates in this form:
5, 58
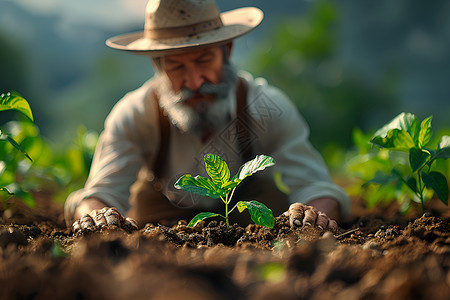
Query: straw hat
174, 25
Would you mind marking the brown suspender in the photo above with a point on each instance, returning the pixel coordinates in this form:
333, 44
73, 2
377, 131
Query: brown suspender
164, 132
164, 138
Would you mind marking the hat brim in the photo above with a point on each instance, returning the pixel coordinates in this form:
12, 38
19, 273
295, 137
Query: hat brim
236, 23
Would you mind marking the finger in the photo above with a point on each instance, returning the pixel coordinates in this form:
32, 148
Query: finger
87, 222
99, 218
296, 212
129, 222
113, 217
310, 217
332, 224
322, 220
76, 226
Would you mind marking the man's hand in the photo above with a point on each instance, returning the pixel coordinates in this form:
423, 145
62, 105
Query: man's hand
97, 219
307, 215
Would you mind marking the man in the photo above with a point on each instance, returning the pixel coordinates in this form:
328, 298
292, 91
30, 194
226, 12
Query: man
198, 104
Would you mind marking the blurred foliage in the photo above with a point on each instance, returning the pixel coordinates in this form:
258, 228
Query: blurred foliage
363, 161
12, 101
300, 58
58, 171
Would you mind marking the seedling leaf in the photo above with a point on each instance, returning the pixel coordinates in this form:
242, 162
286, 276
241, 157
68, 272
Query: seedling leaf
425, 132
5, 137
5, 190
443, 150
230, 185
259, 163
381, 178
259, 213
201, 216
411, 182
13, 101
403, 122
16, 190
395, 139
418, 158
217, 169
199, 185
438, 183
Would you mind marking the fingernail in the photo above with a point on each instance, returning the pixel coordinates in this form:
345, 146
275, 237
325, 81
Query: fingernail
307, 224
297, 222
320, 226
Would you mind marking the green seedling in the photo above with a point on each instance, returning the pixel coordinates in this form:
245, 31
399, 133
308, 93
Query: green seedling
405, 134
13, 101
220, 186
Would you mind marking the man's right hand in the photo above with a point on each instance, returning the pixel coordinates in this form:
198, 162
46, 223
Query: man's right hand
96, 219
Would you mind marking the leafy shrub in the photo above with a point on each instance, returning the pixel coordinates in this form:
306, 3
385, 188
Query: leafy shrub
9, 163
404, 167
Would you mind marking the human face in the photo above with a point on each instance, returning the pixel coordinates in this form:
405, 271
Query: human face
192, 69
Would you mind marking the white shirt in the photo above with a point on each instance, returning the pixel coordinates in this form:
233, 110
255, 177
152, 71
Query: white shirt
275, 128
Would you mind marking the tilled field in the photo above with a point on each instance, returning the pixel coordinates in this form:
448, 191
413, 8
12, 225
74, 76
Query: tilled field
376, 255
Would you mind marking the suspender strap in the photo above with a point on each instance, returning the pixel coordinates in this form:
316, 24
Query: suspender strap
164, 138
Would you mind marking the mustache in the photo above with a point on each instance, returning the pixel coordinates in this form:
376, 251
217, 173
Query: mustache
219, 90
205, 90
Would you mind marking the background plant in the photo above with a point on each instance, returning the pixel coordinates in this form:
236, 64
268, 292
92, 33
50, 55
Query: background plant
54, 170
8, 162
405, 134
220, 186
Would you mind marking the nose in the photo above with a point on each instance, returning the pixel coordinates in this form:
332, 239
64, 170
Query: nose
194, 79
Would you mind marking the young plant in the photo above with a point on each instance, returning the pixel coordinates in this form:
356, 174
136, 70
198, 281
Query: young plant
13, 101
405, 134
220, 186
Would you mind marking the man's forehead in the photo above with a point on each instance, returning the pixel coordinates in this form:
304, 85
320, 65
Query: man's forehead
190, 54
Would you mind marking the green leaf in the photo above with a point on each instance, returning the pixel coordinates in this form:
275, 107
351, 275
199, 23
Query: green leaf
199, 185
26, 197
5, 137
418, 158
403, 122
382, 179
443, 150
259, 213
229, 185
411, 182
259, 163
5, 190
13, 101
438, 183
425, 132
395, 139
217, 169
277, 178
201, 216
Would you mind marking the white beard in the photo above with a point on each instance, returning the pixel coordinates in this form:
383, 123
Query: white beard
210, 115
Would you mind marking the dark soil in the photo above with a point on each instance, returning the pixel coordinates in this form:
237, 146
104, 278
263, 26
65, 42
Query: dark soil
377, 254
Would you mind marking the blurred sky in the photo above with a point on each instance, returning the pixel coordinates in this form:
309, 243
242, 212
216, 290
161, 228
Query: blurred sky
54, 52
